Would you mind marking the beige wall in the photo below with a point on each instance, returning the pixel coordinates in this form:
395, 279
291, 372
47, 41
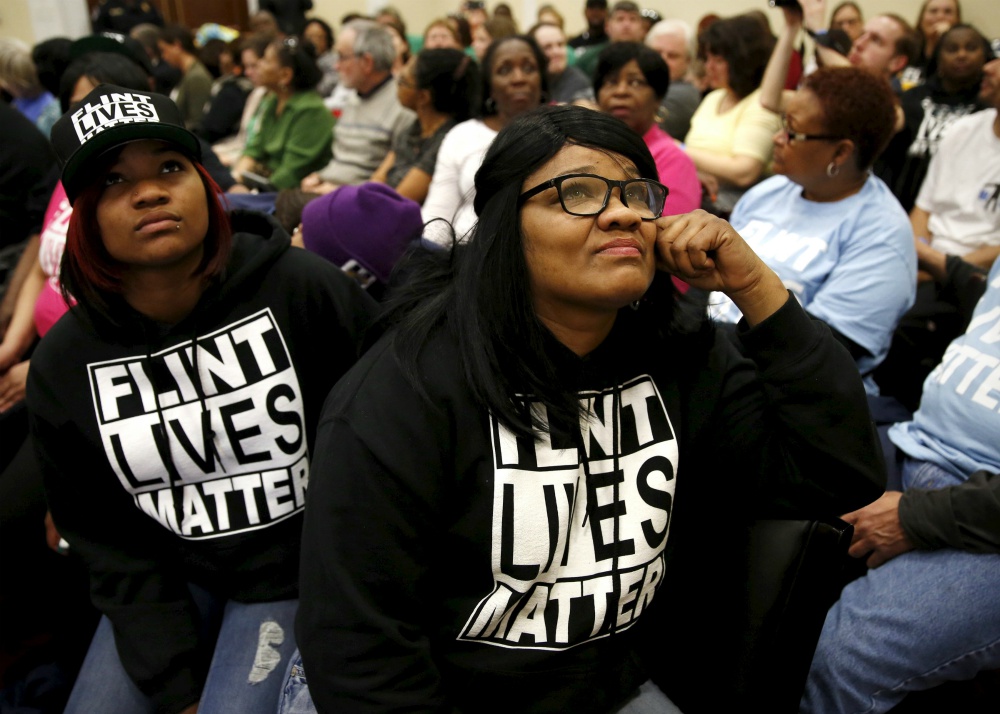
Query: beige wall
16, 16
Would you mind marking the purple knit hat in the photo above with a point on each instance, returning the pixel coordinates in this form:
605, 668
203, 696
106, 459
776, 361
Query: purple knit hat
369, 224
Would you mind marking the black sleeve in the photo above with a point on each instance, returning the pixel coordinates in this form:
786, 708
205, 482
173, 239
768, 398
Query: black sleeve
224, 113
376, 500
802, 408
133, 579
853, 348
963, 285
966, 517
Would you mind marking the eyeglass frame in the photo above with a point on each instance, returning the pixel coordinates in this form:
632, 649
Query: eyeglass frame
557, 182
793, 136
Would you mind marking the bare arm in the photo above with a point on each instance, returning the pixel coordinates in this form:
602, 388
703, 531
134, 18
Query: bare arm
415, 185
773, 94
919, 219
24, 264
21, 331
741, 171
983, 257
382, 172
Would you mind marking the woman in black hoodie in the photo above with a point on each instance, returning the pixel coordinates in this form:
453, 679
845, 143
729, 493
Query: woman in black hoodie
531, 494
174, 409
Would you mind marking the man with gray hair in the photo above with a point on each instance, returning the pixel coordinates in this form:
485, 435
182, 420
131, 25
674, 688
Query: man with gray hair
674, 41
372, 117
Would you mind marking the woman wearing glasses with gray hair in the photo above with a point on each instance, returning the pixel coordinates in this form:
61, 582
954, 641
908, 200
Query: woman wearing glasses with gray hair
491, 519
831, 230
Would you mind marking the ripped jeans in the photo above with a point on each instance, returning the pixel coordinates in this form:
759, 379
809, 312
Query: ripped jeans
252, 652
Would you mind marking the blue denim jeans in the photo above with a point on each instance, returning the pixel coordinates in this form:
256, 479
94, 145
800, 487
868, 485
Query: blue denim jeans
254, 645
922, 619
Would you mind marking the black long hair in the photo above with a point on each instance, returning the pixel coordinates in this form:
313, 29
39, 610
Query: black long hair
481, 289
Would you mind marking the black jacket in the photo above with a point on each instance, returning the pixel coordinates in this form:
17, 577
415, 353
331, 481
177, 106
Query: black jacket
453, 566
158, 479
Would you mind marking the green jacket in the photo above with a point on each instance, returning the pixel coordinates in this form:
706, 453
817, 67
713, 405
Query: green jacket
294, 144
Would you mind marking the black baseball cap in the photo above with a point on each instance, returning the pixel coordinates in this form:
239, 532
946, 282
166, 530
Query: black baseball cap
107, 118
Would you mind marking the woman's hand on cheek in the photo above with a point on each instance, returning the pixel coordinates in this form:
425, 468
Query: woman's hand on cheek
707, 253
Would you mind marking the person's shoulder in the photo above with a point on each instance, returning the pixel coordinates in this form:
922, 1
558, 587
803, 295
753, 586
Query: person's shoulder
771, 188
309, 100
379, 376
971, 126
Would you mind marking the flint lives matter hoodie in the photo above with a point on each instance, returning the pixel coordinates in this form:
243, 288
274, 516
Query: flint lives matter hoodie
454, 566
180, 454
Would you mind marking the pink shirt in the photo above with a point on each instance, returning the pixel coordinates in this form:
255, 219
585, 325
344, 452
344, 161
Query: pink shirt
50, 306
677, 172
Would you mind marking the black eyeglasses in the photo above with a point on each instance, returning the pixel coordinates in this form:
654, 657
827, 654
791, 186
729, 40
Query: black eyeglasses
791, 136
588, 194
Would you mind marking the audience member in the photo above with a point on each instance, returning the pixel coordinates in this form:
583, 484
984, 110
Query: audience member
847, 18
496, 28
19, 78
675, 43
950, 92
834, 233
252, 49
596, 14
176, 585
567, 84
730, 136
440, 35
400, 45
440, 87
264, 22
934, 19
123, 15
229, 97
27, 177
957, 212
484, 453
513, 83
548, 15
166, 76
925, 613
192, 93
887, 45
331, 228
373, 119
320, 34
293, 134
630, 82
289, 14
624, 24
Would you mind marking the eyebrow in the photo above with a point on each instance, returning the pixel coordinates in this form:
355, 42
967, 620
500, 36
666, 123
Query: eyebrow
630, 170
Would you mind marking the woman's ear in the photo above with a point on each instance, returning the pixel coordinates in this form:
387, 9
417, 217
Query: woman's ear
844, 151
287, 76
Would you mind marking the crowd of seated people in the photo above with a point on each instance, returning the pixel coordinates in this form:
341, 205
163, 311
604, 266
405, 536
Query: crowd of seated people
855, 156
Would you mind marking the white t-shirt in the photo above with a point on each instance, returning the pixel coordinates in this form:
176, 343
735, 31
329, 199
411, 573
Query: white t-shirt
453, 186
962, 188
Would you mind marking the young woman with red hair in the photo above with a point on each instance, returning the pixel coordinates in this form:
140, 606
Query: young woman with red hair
173, 411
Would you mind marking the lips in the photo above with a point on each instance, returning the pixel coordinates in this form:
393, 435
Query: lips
157, 222
622, 246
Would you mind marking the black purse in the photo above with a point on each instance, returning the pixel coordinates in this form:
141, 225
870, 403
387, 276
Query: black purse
796, 572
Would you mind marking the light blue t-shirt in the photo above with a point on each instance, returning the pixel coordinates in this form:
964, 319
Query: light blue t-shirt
957, 426
851, 263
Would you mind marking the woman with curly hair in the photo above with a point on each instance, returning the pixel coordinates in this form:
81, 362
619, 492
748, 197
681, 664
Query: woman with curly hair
730, 136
